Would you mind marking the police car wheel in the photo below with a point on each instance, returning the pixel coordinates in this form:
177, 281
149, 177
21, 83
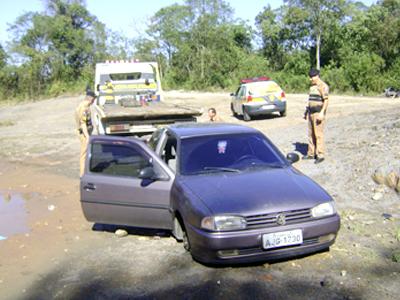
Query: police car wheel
233, 110
246, 115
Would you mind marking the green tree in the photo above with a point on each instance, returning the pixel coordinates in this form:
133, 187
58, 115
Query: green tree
3, 57
316, 17
56, 47
270, 29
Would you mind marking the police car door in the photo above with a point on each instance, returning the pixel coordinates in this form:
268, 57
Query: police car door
125, 183
240, 99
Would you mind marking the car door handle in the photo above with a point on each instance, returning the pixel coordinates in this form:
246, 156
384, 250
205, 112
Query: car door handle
89, 187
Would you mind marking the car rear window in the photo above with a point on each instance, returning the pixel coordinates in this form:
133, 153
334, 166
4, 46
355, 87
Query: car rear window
238, 152
263, 88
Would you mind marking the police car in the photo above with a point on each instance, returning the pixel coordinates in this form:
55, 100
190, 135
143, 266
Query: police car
258, 96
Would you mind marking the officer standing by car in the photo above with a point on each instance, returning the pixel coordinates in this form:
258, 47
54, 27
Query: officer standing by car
316, 115
84, 126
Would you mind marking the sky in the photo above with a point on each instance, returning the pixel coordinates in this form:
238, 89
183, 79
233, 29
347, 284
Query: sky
126, 16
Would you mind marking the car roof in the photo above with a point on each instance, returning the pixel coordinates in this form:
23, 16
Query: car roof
187, 130
264, 82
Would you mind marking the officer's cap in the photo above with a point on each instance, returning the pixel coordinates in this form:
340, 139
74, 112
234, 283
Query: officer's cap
313, 72
90, 93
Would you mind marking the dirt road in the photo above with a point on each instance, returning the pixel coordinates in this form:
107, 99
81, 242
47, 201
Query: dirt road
49, 251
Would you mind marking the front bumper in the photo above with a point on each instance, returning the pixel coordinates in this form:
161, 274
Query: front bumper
262, 108
246, 246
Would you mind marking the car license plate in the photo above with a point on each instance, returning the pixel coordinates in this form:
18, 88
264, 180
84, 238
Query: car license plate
269, 106
284, 238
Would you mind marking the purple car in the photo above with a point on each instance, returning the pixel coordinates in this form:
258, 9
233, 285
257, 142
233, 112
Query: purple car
224, 190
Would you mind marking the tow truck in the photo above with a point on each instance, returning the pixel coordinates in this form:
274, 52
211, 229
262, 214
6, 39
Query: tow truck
130, 100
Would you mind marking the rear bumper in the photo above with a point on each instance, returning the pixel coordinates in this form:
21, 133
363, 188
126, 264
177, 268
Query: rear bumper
246, 246
263, 108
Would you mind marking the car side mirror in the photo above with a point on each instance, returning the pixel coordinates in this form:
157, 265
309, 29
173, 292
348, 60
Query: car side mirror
147, 173
232, 94
292, 157
147, 82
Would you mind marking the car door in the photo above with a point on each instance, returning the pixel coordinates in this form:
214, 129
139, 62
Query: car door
238, 99
112, 192
241, 99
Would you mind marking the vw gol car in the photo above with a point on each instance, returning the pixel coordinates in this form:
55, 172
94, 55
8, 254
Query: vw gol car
258, 96
224, 190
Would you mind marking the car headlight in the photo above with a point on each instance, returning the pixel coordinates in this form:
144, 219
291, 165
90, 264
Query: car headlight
223, 223
323, 210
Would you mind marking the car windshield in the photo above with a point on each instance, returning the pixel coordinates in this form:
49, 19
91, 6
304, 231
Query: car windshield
228, 153
263, 88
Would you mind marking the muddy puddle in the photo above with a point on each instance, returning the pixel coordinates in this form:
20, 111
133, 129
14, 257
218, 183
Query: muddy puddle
13, 213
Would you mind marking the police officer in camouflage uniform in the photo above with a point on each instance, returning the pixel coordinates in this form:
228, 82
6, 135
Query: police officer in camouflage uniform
84, 126
316, 115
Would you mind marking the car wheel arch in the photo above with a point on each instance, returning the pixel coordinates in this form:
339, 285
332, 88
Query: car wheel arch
246, 115
179, 231
178, 226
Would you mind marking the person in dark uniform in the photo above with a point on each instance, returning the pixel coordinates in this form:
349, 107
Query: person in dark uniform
84, 126
316, 115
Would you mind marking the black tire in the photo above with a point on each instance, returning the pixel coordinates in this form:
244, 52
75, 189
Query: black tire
233, 110
246, 115
186, 242
177, 232
283, 113
180, 234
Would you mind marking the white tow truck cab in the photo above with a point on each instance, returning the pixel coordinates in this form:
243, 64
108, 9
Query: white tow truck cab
127, 78
130, 99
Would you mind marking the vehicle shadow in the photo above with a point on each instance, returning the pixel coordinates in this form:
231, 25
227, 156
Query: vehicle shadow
179, 278
131, 230
260, 117
300, 147
260, 263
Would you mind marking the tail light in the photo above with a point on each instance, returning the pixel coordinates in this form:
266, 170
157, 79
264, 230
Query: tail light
283, 94
249, 98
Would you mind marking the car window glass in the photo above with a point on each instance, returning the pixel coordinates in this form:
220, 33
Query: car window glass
155, 138
169, 153
264, 88
237, 91
241, 91
239, 151
118, 160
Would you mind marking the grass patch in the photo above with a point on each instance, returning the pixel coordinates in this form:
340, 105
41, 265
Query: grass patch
396, 256
397, 234
7, 123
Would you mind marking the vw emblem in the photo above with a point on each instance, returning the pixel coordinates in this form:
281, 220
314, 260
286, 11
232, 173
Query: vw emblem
280, 219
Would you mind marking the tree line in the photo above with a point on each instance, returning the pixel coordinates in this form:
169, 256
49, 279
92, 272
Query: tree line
201, 45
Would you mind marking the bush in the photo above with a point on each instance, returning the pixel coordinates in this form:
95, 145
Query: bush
362, 70
298, 63
336, 79
292, 83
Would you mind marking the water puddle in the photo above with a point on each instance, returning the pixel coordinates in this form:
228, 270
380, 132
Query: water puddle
13, 214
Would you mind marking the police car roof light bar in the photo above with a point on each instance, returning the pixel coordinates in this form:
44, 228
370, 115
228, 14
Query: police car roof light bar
254, 79
133, 60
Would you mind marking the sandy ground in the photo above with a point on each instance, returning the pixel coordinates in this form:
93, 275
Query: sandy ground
50, 251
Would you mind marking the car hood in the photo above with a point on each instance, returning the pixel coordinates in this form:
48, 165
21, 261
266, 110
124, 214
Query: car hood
253, 192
